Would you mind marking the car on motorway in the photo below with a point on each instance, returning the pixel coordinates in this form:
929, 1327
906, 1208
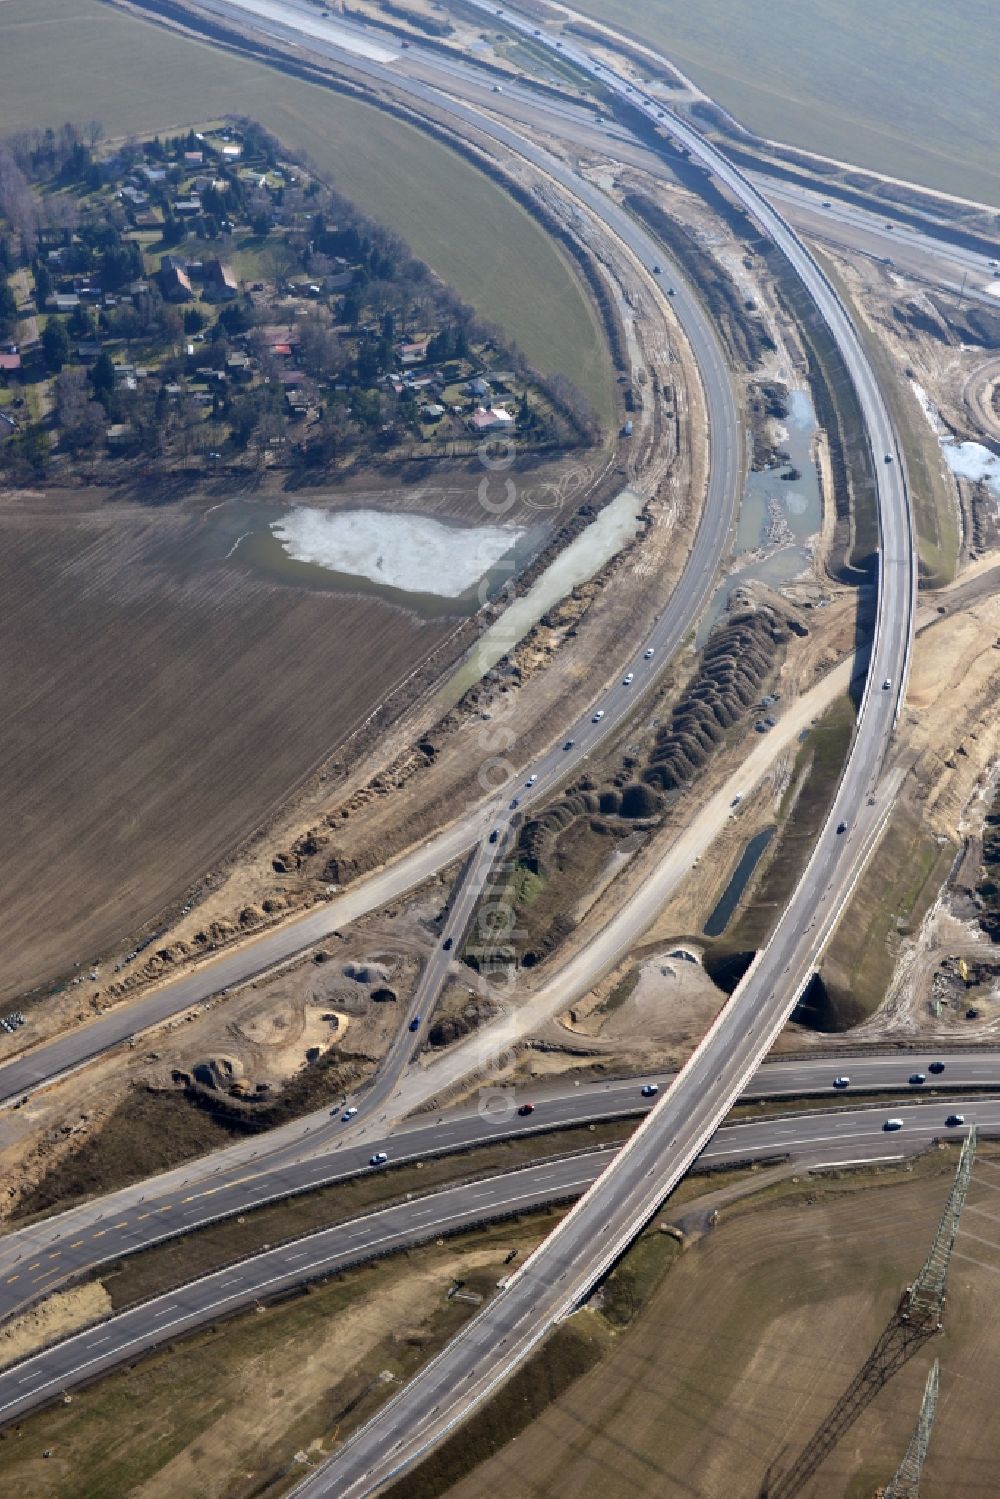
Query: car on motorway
887, 684
415, 1023
348, 1113
447, 943
888, 457
891, 1124
628, 679
526, 1108
531, 780
657, 270
514, 803
569, 744
598, 716
647, 654
841, 827
954, 1120
649, 1090
842, 1082
671, 291
494, 835
916, 1078
378, 1159
936, 1067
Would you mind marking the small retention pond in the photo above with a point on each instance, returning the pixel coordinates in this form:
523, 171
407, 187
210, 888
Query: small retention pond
730, 897
781, 509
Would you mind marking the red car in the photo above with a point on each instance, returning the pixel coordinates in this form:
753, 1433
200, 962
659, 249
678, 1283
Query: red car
526, 1108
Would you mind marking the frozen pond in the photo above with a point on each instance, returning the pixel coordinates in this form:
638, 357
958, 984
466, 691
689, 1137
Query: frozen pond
412, 553
967, 460
970, 460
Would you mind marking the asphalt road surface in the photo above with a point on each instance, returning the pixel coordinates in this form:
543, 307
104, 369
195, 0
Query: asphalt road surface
850, 1136
37, 1258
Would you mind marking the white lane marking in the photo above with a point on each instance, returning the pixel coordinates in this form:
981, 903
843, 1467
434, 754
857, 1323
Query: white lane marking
861, 1160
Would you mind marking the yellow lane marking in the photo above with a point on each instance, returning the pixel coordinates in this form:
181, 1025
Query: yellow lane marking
11, 1279
100, 1233
122, 1224
76, 1244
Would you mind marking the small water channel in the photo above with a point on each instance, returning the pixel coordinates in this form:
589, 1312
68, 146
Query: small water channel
616, 524
780, 511
730, 897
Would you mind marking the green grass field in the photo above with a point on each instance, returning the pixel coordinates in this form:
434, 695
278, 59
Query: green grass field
81, 59
908, 89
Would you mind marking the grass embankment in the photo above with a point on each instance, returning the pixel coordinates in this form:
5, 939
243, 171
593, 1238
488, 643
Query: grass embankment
931, 489
570, 1352
225, 1411
815, 777
96, 61
891, 900
847, 79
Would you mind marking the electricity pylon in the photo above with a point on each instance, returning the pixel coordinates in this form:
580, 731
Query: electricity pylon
906, 1483
917, 1317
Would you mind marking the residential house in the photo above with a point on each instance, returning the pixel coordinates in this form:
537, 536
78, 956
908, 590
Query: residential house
220, 280
174, 280
414, 353
492, 419
10, 358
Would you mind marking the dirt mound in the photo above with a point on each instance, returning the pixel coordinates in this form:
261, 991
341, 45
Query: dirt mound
738, 659
365, 973
218, 1072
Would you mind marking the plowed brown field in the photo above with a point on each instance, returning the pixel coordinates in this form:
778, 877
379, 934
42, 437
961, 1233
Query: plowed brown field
154, 710
752, 1337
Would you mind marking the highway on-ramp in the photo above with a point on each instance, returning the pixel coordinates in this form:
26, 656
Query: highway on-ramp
847, 1136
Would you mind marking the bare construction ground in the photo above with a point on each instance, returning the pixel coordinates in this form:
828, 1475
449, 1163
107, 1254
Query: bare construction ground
753, 1335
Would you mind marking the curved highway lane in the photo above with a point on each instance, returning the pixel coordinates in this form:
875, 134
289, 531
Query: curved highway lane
562, 1270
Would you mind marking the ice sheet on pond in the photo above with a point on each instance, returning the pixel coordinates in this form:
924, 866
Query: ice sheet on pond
411, 552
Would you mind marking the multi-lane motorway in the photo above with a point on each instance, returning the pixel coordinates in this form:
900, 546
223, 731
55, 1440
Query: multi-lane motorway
846, 1136
37, 1258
